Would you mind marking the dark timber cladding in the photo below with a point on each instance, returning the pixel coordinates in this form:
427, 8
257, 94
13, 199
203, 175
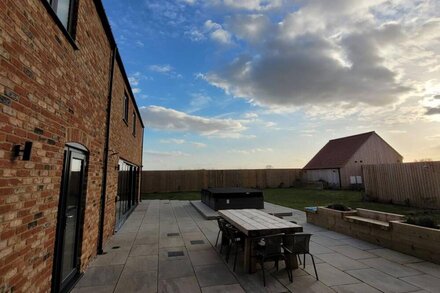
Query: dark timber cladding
62, 90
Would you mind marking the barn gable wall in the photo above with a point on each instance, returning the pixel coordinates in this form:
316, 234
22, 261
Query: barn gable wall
374, 151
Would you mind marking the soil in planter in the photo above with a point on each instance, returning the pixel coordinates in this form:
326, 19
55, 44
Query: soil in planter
423, 221
339, 207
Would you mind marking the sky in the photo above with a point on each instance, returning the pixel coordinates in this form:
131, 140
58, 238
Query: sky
235, 84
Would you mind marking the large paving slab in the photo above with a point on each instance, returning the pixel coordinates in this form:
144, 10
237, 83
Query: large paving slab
210, 214
391, 268
168, 246
342, 262
179, 285
395, 256
381, 281
331, 276
214, 274
355, 288
426, 282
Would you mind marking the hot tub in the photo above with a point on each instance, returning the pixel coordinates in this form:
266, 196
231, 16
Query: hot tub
232, 198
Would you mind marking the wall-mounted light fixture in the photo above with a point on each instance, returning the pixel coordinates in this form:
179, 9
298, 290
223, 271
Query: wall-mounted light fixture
25, 152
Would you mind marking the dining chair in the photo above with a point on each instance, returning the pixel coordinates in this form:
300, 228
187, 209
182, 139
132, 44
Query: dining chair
269, 248
298, 244
235, 239
221, 228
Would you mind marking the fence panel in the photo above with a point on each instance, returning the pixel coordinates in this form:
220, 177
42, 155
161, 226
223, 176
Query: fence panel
413, 184
194, 180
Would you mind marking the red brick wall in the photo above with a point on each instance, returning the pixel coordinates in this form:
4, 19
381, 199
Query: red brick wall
51, 94
123, 144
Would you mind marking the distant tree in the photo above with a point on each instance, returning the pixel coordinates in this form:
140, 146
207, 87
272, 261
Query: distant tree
424, 160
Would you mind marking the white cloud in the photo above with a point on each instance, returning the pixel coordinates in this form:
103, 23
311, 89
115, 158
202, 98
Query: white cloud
194, 35
250, 27
136, 90
397, 131
199, 144
189, 2
166, 154
199, 101
172, 141
250, 115
348, 54
165, 68
182, 141
433, 137
168, 119
221, 36
135, 78
217, 33
251, 151
250, 5
139, 44
270, 124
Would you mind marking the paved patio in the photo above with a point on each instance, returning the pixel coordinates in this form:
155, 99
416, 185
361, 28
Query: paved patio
166, 246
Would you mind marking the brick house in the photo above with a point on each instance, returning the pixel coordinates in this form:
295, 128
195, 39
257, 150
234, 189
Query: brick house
65, 96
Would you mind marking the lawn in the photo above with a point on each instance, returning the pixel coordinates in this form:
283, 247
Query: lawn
298, 198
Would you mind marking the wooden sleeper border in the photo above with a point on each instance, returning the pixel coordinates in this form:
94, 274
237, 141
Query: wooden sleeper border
383, 229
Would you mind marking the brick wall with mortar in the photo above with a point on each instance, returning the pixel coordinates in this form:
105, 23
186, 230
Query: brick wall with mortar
51, 94
123, 144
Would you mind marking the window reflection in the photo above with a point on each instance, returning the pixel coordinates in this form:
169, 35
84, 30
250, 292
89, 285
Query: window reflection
63, 12
128, 181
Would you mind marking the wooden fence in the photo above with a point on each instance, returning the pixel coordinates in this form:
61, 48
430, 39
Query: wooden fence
195, 180
413, 184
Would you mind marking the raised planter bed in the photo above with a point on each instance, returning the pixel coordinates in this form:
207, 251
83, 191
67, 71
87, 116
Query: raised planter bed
384, 229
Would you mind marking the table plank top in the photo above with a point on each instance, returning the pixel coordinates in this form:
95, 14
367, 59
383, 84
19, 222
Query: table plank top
253, 222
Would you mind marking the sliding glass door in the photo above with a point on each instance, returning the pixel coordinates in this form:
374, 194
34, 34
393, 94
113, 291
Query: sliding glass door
128, 179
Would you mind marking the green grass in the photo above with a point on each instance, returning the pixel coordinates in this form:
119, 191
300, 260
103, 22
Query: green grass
173, 195
298, 198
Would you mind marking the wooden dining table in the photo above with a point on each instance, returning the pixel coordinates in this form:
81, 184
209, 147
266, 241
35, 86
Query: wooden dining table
255, 223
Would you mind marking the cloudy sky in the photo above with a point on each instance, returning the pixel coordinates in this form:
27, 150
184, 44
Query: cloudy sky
252, 83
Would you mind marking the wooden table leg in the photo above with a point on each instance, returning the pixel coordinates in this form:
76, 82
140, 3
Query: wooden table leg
249, 263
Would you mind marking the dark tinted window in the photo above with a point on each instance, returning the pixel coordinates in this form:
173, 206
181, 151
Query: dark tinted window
65, 10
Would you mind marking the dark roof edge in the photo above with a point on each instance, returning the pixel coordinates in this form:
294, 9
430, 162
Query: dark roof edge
324, 168
108, 31
124, 75
105, 22
369, 132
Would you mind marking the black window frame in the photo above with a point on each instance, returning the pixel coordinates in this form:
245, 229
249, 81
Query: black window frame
125, 109
134, 124
72, 16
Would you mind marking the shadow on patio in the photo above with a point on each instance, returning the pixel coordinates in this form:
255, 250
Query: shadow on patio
167, 246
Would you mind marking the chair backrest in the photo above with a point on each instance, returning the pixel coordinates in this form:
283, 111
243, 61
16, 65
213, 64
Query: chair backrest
221, 224
297, 243
230, 231
272, 245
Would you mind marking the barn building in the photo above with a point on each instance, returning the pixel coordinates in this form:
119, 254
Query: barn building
339, 162
70, 142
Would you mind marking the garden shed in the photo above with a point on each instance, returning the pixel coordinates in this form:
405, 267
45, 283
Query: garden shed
339, 162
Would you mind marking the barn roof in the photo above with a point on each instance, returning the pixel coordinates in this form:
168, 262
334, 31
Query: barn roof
337, 152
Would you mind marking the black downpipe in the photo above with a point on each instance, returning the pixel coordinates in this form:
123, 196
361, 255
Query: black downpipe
340, 179
105, 163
